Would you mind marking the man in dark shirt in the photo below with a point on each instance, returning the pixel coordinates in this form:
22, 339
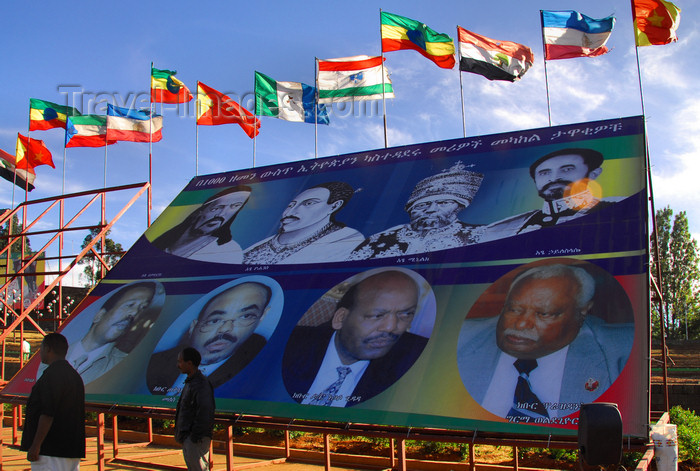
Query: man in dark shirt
194, 419
54, 430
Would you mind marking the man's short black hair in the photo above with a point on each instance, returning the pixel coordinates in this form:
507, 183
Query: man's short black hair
592, 158
57, 343
114, 299
338, 191
191, 354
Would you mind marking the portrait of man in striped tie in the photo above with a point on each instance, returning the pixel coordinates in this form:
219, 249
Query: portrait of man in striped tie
371, 336
552, 347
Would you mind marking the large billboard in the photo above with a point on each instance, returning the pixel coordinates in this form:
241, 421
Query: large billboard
493, 283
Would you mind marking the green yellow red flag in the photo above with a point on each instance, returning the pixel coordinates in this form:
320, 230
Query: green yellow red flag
399, 32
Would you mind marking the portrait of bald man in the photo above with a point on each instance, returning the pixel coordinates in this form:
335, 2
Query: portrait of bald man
362, 350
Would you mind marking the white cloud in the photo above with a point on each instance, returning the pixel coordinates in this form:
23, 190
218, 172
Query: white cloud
676, 164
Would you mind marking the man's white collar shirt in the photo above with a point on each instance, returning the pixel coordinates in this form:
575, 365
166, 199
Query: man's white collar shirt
82, 360
545, 382
328, 374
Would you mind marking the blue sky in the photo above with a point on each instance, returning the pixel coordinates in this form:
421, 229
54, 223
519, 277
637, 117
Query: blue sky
102, 52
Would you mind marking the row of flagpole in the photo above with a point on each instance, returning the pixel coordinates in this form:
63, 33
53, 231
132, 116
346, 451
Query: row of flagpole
394, 34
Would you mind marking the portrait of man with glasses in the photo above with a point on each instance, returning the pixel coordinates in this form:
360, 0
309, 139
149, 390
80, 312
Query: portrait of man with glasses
223, 333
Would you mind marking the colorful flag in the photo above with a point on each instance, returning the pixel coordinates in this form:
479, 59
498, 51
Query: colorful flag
165, 88
495, 60
214, 108
128, 124
655, 22
399, 32
45, 115
292, 101
570, 34
8, 171
87, 131
31, 153
352, 78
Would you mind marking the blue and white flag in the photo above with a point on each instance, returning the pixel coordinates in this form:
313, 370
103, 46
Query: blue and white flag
128, 124
569, 34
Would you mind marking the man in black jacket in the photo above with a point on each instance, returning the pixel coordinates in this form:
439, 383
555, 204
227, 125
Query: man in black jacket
194, 418
54, 430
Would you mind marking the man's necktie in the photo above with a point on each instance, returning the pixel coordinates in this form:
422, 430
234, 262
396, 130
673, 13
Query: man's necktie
326, 397
526, 404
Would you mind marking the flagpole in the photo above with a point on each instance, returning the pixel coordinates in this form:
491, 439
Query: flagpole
14, 182
316, 109
386, 139
105, 166
29, 136
461, 87
639, 76
196, 132
151, 108
63, 181
255, 119
26, 181
546, 80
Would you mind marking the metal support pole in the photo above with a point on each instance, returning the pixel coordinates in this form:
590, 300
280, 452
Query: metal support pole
2, 432
101, 441
115, 436
15, 425
229, 447
392, 453
327, 451
402, 455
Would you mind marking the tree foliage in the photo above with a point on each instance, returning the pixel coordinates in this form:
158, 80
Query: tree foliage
16, 228
678, 259
112, 253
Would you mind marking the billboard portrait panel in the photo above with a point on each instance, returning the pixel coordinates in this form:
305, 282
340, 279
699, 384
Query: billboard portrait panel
382, 286
544, 338
359, 338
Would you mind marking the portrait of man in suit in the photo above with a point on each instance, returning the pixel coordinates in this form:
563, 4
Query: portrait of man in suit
224, 334
206, 233
107, 341
363, 349
546, 352
564, 179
